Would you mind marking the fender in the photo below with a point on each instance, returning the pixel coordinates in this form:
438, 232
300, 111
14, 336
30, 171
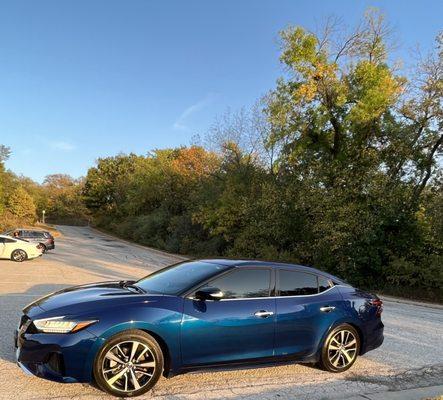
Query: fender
173, 347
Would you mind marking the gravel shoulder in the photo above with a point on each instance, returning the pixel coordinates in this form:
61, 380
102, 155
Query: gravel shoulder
411, 356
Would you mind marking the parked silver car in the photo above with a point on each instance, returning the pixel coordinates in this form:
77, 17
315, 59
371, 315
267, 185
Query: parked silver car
44, 238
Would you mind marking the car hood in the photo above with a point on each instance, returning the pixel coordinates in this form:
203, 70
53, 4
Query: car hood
77, 295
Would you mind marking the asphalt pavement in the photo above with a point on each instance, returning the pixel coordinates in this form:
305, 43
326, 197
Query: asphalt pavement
411, 356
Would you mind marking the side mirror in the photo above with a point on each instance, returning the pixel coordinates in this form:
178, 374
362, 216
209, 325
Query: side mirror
209, 293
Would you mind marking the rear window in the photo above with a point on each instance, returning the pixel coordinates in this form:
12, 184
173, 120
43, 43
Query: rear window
296, 283
324, 284
38, 234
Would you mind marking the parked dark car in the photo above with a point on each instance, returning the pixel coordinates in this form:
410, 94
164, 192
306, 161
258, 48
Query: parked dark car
196, 314
44, 238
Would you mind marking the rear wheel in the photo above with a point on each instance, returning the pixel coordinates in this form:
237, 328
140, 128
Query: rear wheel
43, 247
340, 349
19, 255
129, 364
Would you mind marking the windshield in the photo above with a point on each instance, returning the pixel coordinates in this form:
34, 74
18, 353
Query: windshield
177, 278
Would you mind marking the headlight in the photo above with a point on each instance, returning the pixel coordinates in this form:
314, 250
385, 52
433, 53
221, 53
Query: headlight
60, 325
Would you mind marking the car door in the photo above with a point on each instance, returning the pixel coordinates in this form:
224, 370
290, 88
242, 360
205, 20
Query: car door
9, 245
239, 326
28, 236
2, 248
306, 306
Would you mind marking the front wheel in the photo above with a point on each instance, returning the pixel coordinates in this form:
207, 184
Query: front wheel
19, 255
129, 364
340, 349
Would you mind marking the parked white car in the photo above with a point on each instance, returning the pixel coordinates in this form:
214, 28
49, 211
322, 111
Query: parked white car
17, 249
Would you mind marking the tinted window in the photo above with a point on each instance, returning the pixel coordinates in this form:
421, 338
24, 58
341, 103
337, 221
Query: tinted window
244, 283
7, 240
178, 278
323, 284
294, 283
38, 234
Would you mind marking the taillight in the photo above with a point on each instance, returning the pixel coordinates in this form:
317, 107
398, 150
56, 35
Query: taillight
379, 304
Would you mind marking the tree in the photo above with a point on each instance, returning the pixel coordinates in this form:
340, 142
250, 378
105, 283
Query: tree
21, 204
4, 155
63, 199
338, 167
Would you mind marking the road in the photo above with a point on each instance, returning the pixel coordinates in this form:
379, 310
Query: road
412, 355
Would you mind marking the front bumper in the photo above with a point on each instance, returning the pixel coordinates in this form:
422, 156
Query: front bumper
56, 357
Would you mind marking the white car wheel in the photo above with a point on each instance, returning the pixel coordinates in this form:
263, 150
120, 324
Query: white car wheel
19, 255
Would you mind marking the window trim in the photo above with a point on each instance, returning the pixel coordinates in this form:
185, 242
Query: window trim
272, 285
274, 294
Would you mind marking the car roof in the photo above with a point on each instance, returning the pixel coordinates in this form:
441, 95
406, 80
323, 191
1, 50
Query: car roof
272, 264
29, 230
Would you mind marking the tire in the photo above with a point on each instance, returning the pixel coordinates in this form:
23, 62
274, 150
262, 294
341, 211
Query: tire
340, 349
143, 366
44, 249
19, 255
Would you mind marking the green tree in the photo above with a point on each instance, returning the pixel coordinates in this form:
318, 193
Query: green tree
21, 205
61, 196
4, 155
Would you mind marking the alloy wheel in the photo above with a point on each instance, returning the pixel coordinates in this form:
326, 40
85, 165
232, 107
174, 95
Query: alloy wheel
19, 255
128, 366
342, 349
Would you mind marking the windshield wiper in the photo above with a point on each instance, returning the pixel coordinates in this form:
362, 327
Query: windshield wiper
130, 285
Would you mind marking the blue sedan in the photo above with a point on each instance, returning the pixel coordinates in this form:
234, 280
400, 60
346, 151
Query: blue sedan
124, 335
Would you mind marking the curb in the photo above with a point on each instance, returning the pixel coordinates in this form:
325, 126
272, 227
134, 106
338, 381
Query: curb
140, 246
411, 302
431, 392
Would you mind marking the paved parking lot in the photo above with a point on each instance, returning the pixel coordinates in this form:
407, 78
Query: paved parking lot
412, 355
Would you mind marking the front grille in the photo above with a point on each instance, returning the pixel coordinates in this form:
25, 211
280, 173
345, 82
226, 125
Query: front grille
23, 320
26, 325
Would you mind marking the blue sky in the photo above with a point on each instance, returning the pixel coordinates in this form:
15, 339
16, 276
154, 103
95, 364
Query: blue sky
82, 79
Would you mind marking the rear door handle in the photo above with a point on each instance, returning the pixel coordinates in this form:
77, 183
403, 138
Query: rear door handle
327, 309
263, 314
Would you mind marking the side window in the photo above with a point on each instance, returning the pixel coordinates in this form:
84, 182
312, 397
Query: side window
244, 283
295, 283
2, 240
323, 284
9, 240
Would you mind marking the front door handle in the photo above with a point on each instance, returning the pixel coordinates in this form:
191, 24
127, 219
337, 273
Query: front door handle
263, 314
327, 308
